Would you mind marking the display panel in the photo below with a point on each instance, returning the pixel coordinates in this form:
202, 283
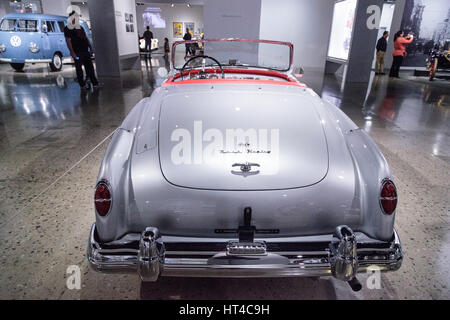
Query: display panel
152, 18
341, 30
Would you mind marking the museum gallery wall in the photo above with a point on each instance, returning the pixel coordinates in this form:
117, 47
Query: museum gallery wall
125, 11
308, 24
429, 22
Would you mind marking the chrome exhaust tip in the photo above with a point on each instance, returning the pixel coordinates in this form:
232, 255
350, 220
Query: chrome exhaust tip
343, 255
151, 255
355, 284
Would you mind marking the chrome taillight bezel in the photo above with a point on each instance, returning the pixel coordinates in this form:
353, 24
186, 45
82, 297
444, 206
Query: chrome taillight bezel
383, 182
108, 186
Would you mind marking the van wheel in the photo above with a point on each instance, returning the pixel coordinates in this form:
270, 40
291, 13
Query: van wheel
56, 64
18, 66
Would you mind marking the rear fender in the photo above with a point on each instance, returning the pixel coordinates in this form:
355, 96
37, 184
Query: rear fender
114, 169
372, 169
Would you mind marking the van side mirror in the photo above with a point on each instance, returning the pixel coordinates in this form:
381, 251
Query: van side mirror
44, 28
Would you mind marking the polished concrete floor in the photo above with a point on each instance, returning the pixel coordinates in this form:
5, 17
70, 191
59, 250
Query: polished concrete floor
52, 140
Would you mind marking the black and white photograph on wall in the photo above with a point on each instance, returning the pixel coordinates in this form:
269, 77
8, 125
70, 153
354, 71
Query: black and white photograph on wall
127, 17
131, 27
429, 22
131, 17
127, 27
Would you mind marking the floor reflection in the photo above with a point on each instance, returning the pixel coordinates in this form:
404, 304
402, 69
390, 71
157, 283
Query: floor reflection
409, 103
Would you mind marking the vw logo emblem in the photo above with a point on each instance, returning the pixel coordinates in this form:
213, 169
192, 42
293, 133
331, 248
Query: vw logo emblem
15, 41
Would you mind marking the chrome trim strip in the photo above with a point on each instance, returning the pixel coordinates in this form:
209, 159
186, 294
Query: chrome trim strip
38, 60
283, 253
27, 60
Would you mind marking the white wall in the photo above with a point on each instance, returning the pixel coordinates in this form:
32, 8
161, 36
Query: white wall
127, 41
232, 19
179, 13
58, 7
305, 23
2, 8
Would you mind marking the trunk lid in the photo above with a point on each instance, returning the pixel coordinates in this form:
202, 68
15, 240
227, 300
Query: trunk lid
241, 140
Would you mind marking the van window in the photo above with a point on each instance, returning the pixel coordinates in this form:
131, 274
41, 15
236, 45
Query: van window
27, 26
61, 25
8, 25
50, 25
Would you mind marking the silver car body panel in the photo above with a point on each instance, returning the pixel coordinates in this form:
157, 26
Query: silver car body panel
291, 151
344, 191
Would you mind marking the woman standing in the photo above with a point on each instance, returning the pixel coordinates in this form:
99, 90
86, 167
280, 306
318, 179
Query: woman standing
399, 52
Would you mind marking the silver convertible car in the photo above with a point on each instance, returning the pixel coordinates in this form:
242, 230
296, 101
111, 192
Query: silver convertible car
234, 168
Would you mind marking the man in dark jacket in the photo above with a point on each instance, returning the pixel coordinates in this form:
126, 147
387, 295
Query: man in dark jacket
187, 37
381, 53
148, 36
80, 49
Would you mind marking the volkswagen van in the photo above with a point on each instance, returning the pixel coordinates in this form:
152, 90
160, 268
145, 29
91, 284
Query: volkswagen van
34, 38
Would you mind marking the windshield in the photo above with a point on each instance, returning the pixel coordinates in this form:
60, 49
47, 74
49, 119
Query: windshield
265, 54
8, 25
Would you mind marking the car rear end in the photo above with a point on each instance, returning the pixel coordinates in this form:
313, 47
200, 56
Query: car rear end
309, 215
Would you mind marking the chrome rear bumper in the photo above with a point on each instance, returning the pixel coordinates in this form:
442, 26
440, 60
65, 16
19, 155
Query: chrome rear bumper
152, 255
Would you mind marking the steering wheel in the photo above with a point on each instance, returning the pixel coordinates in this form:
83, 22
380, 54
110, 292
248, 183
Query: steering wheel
205, 57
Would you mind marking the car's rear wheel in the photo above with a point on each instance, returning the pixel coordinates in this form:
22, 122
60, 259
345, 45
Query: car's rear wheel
18, 66
433, 69
56, 64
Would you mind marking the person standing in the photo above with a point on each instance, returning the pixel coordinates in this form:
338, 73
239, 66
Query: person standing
80, 49
399, 54
187, 37
166, 50
148, 36
381, 52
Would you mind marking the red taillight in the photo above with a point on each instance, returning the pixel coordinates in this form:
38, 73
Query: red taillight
388, 197
102, 199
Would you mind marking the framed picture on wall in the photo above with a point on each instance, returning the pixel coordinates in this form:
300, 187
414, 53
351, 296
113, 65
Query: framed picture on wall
177, 30
127, 17
131, 27
190, 26
131, 18
127, 27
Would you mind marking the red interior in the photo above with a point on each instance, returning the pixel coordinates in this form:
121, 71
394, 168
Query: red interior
283, 78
